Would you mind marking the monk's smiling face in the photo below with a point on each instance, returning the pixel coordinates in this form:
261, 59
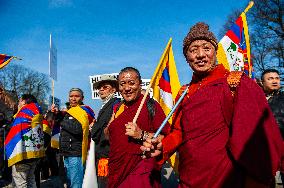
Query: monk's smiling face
201, 56
129, 85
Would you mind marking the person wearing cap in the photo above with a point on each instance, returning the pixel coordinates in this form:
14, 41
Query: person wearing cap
107, 87
74, 133
223, 129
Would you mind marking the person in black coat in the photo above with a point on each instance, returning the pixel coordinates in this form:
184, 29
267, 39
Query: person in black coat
274, 95
271, 85
107, 87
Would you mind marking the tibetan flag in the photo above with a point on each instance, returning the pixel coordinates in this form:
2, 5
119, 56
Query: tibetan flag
4, 60
165, 82
46, 127
53, 132
55, 136
234, 47
166, 85
25, 138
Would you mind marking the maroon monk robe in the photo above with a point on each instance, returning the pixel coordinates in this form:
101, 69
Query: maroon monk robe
125, 153
224, 139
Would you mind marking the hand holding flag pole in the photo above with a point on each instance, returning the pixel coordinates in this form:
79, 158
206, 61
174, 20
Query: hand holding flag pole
168, 116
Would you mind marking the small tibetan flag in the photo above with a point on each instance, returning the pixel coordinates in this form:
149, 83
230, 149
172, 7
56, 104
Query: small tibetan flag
4, 60
234, 47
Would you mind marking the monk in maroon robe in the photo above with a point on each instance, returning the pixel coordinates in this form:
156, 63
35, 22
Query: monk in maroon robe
224, 130
126, 166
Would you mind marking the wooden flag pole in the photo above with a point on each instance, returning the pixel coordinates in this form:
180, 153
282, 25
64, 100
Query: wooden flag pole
151, 82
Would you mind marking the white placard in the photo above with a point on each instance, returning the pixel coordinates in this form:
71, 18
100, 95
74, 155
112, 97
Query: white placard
52, 60
96, 78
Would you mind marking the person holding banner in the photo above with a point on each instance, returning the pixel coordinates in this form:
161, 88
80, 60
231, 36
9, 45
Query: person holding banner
74, 134
107, 87
126, 166
223, 129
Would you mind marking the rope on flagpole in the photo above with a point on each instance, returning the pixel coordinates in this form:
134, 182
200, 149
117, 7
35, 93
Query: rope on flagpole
151, 82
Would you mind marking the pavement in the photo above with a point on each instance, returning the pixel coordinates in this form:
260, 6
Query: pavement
55, 182
52, 182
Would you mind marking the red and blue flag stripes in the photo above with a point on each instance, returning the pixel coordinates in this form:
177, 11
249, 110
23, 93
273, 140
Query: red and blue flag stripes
90, 113
24, 138
234, 48
20, 126
165, 82
4, 60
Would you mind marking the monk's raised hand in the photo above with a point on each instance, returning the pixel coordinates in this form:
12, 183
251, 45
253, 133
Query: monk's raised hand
131, 129
54, 108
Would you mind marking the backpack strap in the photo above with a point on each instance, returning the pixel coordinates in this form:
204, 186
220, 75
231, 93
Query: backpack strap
151, 108
233, 80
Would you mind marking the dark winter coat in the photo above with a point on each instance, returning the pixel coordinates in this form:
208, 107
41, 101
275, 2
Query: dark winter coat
97, 132
71, 136
276, 103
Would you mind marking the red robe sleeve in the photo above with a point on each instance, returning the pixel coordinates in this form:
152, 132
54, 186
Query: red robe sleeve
255, 140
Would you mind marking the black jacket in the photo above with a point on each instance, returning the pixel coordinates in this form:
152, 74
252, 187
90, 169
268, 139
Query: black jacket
71, 136
276, 103
97, 132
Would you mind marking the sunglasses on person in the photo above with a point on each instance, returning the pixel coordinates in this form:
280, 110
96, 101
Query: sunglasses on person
104, 87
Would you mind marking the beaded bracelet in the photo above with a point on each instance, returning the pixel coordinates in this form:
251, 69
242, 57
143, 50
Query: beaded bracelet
142, 136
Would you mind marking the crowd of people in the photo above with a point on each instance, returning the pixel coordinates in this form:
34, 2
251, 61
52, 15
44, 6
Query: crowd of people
228, 130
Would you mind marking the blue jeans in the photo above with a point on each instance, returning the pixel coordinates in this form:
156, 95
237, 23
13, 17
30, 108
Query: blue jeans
75, 171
